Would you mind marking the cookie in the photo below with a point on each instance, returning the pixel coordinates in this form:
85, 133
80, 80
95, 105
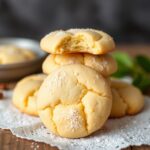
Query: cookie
127, 99
25, 93
104, 64
11, 54
78, 40
74, 101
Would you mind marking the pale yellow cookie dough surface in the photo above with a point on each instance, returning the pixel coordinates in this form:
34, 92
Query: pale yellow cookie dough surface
25, 93
78, 40
74, 101
104, 64
12, 54
127, 99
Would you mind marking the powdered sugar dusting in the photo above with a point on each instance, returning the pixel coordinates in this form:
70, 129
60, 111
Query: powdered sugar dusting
58, 79
74, 118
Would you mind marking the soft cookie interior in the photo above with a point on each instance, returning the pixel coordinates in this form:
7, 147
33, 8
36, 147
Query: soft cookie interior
77, 40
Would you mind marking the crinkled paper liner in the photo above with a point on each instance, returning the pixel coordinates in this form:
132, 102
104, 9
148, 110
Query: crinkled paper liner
116, 133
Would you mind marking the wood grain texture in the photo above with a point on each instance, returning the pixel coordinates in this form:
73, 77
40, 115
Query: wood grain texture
11, 142
144, 147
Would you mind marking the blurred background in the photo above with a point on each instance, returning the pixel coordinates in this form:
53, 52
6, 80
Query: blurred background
127, 21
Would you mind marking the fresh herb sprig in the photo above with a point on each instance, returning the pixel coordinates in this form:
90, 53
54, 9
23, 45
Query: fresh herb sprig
138, 68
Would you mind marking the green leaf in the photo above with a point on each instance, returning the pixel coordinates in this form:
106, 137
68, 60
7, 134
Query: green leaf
143, 61
124, 58
122, 70
124, 62
141, 81
138, 68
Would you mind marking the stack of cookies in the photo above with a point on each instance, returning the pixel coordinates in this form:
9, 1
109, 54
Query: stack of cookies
77, 96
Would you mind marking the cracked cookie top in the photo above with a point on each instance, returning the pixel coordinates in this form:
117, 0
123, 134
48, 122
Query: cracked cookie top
104, 64
74, 101
25, 92
127, 99
78, 40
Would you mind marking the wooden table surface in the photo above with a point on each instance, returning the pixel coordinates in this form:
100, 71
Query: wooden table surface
11, 142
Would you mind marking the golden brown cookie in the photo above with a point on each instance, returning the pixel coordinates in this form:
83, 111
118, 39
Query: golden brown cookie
104, 64
127, 99
25, 92
74, 101
11, 54
78, 40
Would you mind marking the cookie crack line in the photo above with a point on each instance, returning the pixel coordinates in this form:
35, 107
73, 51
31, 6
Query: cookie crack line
54, 121
83, 110
52, 111
81, 96
91, 90
56, 61
127, 107
85, 117
31, 94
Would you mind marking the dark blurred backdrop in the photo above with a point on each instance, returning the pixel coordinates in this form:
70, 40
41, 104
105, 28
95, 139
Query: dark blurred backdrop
125, 20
